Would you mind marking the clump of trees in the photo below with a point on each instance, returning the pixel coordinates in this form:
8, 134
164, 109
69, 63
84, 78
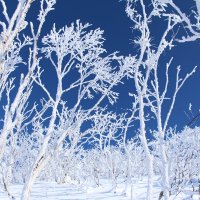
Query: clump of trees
47, 139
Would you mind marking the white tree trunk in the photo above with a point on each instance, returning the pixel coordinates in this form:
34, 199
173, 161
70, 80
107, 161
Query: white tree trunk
41, 160
32, 177
165, 170
165, 165
3, 137
27, 188
165, 173
9, 120
149, 157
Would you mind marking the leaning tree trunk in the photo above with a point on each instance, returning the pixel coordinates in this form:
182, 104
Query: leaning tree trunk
41, 160
38, 167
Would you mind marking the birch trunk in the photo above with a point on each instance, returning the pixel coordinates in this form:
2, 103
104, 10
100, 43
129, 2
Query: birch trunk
32, 177
149, 158
165, 174
161, 131
10, 115
165, 165
41, 160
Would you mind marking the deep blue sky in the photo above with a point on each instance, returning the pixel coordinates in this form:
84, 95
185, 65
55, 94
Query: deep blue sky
110, 16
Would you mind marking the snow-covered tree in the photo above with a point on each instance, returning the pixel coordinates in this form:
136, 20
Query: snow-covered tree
47, 140
75, 49
150, 96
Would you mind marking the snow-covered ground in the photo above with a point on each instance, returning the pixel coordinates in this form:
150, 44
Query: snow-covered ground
54, 191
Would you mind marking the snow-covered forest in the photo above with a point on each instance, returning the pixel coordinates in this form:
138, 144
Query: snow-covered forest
69, 139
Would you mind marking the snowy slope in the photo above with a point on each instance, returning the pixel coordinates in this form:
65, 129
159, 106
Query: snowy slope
53, 191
